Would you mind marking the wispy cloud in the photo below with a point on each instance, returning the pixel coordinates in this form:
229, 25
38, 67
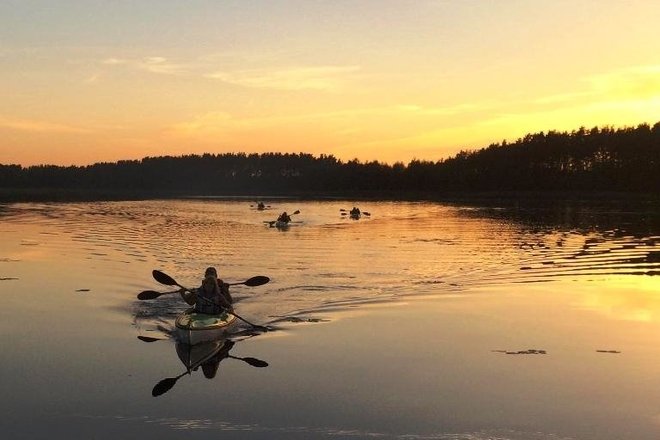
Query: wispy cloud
204, 124
451, 110
39, 126
326, 78
632, 83
393, 117
114, 61
297, 78
153, 64
92, 79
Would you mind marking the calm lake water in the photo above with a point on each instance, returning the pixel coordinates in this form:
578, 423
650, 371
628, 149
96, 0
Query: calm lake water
423, 320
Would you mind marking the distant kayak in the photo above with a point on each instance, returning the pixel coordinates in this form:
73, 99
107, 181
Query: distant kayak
193, 328
278, 224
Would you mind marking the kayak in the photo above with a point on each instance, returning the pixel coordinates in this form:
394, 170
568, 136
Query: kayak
281, 225
193, 328
193, 356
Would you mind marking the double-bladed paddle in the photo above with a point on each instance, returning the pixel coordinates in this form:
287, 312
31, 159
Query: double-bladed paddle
152, 294
346, 212
164, 278
166, 384
149, 339
250, 360
272, 222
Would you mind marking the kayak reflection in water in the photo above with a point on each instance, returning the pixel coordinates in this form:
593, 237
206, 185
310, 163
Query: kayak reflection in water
207, 355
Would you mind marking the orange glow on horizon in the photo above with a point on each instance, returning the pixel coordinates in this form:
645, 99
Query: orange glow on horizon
421, 86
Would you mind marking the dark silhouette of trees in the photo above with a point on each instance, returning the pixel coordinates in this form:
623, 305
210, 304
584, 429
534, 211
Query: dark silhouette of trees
596, 159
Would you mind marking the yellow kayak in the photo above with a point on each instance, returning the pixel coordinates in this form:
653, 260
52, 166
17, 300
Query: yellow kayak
193, 328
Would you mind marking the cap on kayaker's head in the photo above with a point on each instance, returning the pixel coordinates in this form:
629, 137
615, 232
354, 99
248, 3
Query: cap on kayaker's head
211, 272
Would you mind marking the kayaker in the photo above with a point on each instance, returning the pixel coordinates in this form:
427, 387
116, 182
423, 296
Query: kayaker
355, 211
261, 206
284, 218
213, 296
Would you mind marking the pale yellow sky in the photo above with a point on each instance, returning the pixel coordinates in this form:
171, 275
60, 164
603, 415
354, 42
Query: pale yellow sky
390, 80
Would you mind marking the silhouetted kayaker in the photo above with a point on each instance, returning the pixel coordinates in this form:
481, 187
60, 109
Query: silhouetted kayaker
213, 296
284, 217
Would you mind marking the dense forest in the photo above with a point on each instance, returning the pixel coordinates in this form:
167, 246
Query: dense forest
597, 159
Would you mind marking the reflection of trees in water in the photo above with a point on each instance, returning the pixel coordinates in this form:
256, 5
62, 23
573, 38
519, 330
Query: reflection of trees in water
559, 238
637, 217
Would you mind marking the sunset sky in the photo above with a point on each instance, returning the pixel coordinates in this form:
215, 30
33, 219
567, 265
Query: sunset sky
88, 80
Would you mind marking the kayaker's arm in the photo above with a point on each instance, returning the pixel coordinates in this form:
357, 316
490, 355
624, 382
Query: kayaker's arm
222, 301
225, 304
224, 289
189, 296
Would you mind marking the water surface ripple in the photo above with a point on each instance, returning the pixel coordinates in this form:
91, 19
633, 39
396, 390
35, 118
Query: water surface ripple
325, 261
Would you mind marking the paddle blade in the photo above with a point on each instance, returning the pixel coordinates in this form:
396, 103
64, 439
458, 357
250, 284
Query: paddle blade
259, 280
149, 339
163, 278
164, 386
148, 294
295, 212
255, 362
366, 213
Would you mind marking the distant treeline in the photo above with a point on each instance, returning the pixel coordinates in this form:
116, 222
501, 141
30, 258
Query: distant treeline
597, 159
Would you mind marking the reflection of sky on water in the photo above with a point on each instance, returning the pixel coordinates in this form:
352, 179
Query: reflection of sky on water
415, 368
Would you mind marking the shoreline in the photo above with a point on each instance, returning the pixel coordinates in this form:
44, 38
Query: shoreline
64, 195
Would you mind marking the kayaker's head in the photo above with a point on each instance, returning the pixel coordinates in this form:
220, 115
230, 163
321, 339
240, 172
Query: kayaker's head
211, 272
210, 282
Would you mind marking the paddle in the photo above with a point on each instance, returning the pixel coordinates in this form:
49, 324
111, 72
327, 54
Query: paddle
261, 327
272, 222
346, 211
166, 384
152, 294
149, 339
164, 278
250, 360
